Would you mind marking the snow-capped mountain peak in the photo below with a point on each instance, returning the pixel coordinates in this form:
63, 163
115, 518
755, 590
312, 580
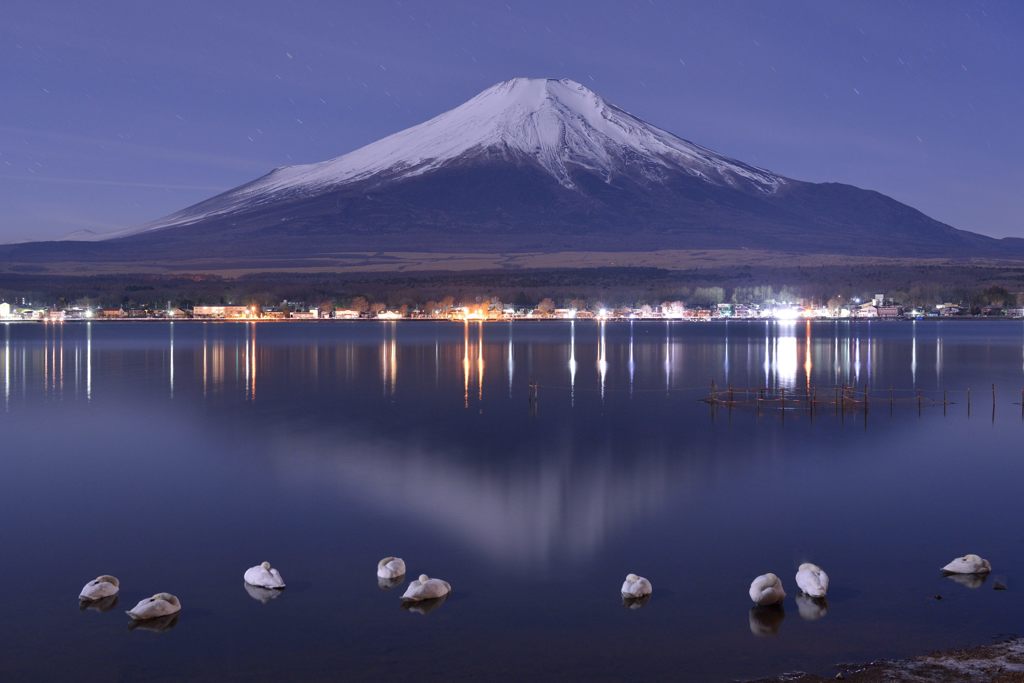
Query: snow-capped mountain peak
560, 124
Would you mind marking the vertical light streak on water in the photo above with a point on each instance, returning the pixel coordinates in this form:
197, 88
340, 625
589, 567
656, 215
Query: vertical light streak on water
171, 358
668, 355
938, 359
7, 366
46, 358
61, 358
767, 355
511, 360
465, 363
205, 368
632, 365
252, 383
870, 349
394, 357
913, 355
572, 362
856, 359
602, 360
808, 366
383, 362
244, 359
88, 361
726, 362
835, 354
480, 360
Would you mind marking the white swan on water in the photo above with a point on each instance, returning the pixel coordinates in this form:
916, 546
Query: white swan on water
263, 576
391, 568
812, 580
968, 564
426, 588
636, 586
103, 586
160, 605
767, 590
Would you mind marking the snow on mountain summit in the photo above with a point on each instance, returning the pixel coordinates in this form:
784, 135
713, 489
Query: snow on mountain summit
560, 124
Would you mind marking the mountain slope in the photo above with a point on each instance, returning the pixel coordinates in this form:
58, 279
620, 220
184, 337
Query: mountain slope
534, 165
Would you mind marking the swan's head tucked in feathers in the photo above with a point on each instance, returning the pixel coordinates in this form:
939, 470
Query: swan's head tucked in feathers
423, 578
265, 565
631, 577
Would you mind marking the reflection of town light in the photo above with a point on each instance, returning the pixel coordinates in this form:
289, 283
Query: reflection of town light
787, 360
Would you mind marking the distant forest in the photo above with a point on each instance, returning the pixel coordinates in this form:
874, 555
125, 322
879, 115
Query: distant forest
914, 285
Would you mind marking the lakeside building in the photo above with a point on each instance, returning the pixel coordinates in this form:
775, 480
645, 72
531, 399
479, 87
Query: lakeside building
229, 311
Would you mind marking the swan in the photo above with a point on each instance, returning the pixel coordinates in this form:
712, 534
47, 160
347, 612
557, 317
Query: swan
811, 609
812, 580
968, 564
391, 568
636, 586
160, 605
263, 576
103, 586
426, 588
767, 590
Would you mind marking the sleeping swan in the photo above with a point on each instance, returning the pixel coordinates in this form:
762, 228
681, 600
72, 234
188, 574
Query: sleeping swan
160, 605
767, 590
263, 576
968, 564
636, 586
391, 568
812, 580
426, 588
102, 586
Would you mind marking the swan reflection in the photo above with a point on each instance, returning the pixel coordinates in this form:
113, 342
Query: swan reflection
636, 603
158, 625
811, 609
102, 605
968, 580
388, 584
424, 606
263, 595
765, 620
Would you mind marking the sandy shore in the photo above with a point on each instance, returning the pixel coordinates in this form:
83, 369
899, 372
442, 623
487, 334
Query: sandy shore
999, 663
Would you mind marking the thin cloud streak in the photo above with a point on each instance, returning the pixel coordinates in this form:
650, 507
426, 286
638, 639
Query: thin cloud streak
113, 183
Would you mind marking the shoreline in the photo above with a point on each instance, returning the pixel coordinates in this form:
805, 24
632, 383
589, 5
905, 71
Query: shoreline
959, 318
1000, 662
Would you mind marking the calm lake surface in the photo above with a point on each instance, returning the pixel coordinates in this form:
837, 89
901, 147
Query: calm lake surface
175, 456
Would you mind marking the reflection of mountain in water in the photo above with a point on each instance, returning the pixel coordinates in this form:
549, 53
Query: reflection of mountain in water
525, 511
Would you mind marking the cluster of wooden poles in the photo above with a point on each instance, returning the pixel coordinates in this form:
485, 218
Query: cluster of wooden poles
842, 398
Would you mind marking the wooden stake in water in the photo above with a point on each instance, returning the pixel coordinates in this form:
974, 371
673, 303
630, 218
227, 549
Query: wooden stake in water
945, 401
892, 395
919, 403
968, 401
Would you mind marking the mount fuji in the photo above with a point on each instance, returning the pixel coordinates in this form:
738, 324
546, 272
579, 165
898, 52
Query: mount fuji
531, 165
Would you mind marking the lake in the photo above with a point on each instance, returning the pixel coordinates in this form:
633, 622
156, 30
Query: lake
176, 455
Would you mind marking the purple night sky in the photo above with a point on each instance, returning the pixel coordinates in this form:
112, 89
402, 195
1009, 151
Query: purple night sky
120, 112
